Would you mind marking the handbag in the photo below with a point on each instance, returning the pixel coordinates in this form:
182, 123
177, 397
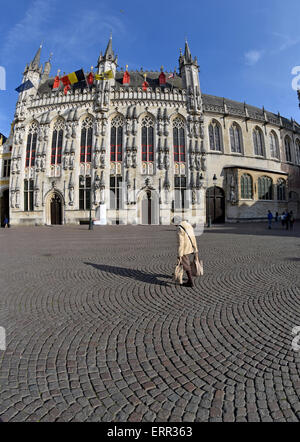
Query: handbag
178, 273
196, 265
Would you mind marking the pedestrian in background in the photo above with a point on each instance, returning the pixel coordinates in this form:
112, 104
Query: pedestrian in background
287, 220
292, 220
5, 222
270, 218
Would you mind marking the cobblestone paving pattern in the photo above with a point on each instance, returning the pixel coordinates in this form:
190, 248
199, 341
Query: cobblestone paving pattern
98, 331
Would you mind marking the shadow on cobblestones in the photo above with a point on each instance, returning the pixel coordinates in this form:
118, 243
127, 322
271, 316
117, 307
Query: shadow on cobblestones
138, 275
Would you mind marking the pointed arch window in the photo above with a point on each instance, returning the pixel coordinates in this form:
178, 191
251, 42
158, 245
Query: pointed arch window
287, 143
86, 140
147, 139
215, 136
297, 151
57, 141
258, 141
246, 186
281, 189
31, 145
274, 146
236, 138
179, 140
265, 187
116, 139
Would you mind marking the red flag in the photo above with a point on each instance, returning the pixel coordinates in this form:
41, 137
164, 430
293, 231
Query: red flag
56, 82
66, 89
145, 85
90, 78
65, 80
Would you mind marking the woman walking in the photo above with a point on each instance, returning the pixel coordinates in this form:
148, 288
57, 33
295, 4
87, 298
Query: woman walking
187, 245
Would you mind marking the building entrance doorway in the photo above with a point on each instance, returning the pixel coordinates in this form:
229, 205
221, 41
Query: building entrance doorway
56, 210
4, 203
150, 208
215, 205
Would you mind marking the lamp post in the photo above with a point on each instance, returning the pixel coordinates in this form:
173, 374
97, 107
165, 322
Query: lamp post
209, 214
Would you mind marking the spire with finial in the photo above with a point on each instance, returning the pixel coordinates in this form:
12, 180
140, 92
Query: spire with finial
109, 54
35, 64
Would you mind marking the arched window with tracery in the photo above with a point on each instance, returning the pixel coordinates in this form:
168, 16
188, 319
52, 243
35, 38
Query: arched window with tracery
258, 141
281, 189
86, 140
116, 139
215, 136
297, 151
57, 141
246, 186
235, 138
274, 146
288, 153
31, 145
147, 139
179, 140
265, 187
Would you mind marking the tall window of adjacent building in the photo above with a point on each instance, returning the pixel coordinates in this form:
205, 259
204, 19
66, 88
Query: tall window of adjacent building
179, 140
236, 138
180, 188
147, 139
28, 195
258, 141
115, 192
86, 140
288, 154
281, 189
215, 136
116, 139
31, 145
274, 146
265, 185
6, 168
246, 187
85, 184
297, 151
57, 141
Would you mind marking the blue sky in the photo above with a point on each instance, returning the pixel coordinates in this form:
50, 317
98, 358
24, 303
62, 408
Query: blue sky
246, 50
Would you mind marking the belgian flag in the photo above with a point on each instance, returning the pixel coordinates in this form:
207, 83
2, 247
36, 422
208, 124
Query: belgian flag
73, 78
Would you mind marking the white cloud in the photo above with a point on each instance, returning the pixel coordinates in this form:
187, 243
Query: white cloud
252, 57
286, 42
30, 29
68, 35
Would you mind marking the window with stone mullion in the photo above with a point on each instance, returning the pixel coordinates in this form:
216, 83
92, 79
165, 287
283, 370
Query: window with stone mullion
28, 195
179, 144
85, 193
116, 146
246, 187
147, 144
57, 141
86, 145
31, 149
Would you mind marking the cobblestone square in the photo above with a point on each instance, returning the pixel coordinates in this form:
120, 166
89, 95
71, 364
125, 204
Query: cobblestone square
98, 331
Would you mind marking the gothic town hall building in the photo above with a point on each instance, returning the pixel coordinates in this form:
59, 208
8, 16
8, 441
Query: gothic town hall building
142, 155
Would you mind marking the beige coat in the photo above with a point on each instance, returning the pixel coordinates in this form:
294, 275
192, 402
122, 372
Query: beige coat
184, 244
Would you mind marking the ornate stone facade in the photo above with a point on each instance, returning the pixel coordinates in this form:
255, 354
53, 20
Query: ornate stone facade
143, 156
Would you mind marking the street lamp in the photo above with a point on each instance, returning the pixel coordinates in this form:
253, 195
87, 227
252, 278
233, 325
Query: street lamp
209, 214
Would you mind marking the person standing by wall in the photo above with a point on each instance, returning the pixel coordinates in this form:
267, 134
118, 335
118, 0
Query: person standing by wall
270, 218
292, 220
